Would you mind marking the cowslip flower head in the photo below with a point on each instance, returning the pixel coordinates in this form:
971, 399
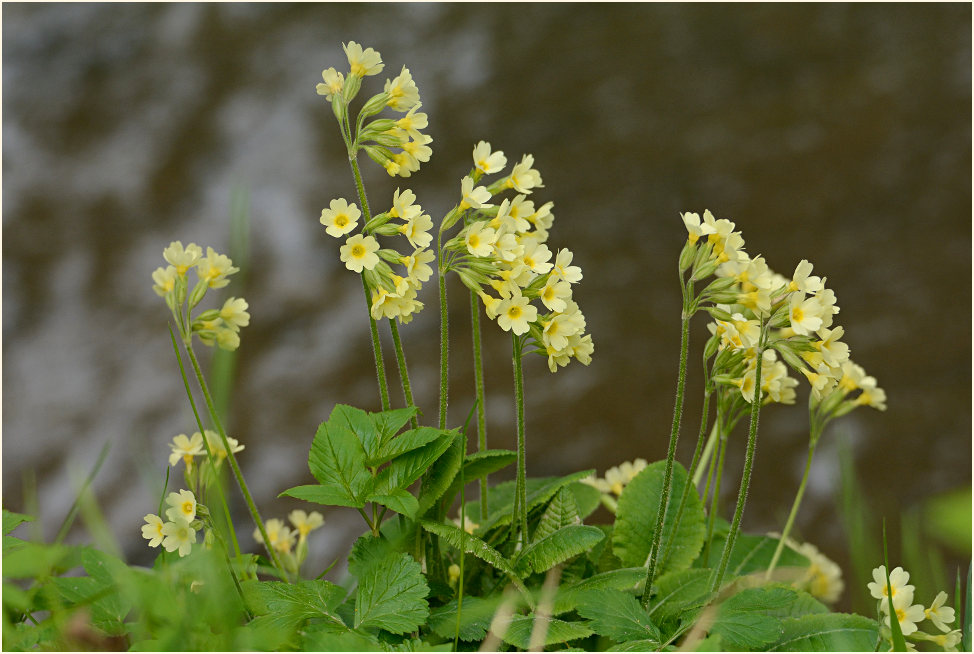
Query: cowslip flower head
152, 530
488, 162
182, 258
234, 313
479, 239
165, 280
515, 314
178, 535
340, 217
359, 253
473, 198
182, 506
362, 62
186, 448
332, 85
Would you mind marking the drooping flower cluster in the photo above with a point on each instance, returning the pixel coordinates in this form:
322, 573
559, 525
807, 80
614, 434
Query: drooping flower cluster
381, 136
282, 538
794, 317
179, 532
215, 326
908, 614
502, 248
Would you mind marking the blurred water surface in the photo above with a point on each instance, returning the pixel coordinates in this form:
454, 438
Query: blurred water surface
836, 133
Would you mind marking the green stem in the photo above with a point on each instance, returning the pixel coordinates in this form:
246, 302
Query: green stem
752, 438
794, 510
478, 373
407, 390
521, 486
233, 462
715, 498
670, 455
706, 460
444, 343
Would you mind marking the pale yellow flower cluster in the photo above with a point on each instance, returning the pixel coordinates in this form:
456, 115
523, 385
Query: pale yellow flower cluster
283, 538
797, 311
823, 577
502, 248
381, 136
187, 448
615, 480
213, 327
909, 614
179, 532
393, 294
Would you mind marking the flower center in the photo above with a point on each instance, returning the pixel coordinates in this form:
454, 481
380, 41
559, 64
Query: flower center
341, 220
514, 313
358, 251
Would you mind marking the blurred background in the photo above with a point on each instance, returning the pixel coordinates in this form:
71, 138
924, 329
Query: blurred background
835, 133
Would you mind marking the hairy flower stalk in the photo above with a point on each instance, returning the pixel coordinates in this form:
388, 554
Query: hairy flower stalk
478, 373
444, 334
521, 485
407, 390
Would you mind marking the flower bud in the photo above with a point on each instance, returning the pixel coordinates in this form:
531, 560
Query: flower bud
351, 87
719, 314
687, 255
374, 105
705, 270
451, 219
387, 230
198, 292
376, 222
710, 349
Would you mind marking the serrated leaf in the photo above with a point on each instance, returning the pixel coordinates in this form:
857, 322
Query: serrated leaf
322, 639
337, 458
566, 598
397, 499
587, 497
285, 606
391, 595
752, 554
388, 423
478, 464
795, 603
367, 552
501, 498
647, 645
563, 544
473, 545
475, 617
404, 470
11, 520
636, 516
558, 631
824, 632
745, 619
360, 424
404, 442
562, 511
676, 592
442, 476
617, 615
327, 495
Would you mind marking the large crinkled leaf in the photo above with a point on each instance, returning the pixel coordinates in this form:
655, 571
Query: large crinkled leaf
676, 592
285, 606
337, 458
558, 631
388, 423
562, 511
476, 465
404, 442
404, 470
473, 545
617, 615
746, 620
827, 632
566, 599
561, 545
391, 594
794, 603
635, 523
475, 617
442, 476
752, 554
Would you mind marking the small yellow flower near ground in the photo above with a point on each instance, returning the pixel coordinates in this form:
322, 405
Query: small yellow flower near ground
454, 574
340, 217
178, 536
938, 614
214, 268
898, 581
486, 161
359, 252
515, 314
186, 448
152, 530
165, 280
216, 445
234, 313
402, 90
362, 62
182, 258
305, 523
281, 537
824, 577
332, 85
182, 506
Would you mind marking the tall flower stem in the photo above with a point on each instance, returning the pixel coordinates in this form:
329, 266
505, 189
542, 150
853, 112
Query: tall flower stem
671, 453
521, 485
478, 373
444, 333
794, 508
233, 462
407, 390
715, 498
752, 438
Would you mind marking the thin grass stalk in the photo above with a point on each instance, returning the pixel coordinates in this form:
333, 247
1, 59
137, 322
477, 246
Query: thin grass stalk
478, 373
444, 345
407, 390
794, 510
752, 438
62, 532
671, 453
521, 486
251, 506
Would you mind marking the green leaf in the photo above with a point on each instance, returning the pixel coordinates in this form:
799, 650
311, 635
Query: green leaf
337, 458
752, 554
745, 620
405, 442
587, 497
358, 423
404, 470
635, 522
285, 606
36, 560
562, 511
478, 464
824, 632
397, 499
794, 603
501, 498
324, 639
11, 520
563, 544
567, 598
475, 617
321, 494
635, 646
676, 592
558, 631
442, 476
475, 546
391, 595
388, 423
617, 615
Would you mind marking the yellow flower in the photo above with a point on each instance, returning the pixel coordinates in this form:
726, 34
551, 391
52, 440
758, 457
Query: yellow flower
216, 444
803, 281
363, 62
340, 218
215, 268
515, 313
479, 239
618, 477
560, 328
186, 448
564, 270
536, 256
938, 614
359, 252
898, 579
416, 230
234, 313
523, 177
182, 259
804, 314
554, 294
227, 339
305, 523
473, 198
453, 573
182, 506
178, 536
402, 90
165, 280
410, 124
907, 613
416, 266
694, 229
332, 85
824, 577
281, 537
486, 161
152, 530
